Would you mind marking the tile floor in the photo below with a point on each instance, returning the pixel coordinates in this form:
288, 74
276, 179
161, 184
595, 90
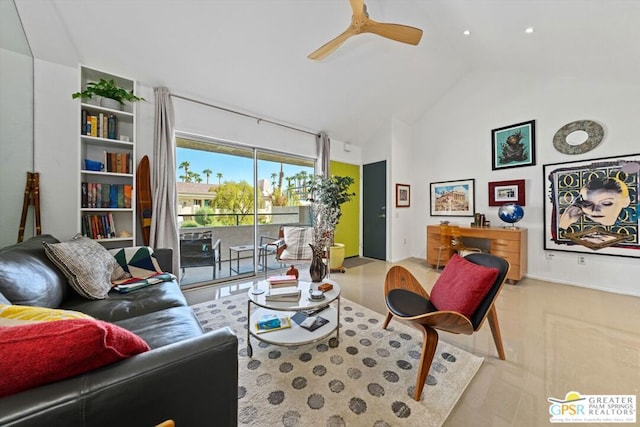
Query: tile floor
557, 338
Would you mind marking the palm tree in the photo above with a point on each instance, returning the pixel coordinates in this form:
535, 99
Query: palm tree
273, 180
219, 175
207, 173
186, 177
280, 176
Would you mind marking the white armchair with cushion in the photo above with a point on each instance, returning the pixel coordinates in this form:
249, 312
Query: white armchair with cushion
293, 244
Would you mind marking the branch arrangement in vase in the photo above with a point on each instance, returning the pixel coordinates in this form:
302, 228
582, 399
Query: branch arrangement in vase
328, 194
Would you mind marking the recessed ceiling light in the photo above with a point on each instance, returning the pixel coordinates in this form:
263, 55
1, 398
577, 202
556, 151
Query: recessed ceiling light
466, 32
529, 30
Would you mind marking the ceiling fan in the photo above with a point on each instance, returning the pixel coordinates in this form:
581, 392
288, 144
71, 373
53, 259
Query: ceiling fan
360, 23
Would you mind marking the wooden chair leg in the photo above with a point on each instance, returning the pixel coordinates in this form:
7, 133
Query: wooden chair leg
495, 331
429, 344
387, 320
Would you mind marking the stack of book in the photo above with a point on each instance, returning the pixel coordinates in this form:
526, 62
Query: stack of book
289, 294
286, 280
113, 196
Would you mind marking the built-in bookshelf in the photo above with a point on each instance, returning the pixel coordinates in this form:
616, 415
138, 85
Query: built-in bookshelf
106, 197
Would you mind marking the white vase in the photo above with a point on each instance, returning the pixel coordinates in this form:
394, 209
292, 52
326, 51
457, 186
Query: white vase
110, 103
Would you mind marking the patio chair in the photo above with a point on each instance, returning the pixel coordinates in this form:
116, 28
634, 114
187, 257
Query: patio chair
198, 249
267, 246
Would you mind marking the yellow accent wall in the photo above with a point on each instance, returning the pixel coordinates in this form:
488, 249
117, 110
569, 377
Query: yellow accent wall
348, 229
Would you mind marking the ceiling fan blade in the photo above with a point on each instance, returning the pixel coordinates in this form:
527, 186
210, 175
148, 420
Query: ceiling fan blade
397, 32
332, 45
357, 6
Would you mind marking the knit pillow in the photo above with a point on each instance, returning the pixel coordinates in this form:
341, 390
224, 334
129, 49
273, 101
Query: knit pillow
87, 265
462, 285
297, 240
40, 353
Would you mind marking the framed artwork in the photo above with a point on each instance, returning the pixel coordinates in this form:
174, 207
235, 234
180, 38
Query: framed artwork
591, 206
514, 146
403, 195
501, 192
453, 198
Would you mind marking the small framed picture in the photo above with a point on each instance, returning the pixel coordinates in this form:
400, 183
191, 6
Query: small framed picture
453, 198
403, 195
514, 145
501, 192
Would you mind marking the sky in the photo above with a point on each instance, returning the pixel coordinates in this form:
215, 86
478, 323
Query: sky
233, 168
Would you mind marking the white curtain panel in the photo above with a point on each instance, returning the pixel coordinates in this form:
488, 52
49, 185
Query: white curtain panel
164, 228
323, 145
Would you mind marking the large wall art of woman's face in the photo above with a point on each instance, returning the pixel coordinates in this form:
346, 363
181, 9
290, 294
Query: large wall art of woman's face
601, 200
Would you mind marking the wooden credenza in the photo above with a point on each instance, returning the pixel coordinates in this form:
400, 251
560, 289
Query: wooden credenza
508, 243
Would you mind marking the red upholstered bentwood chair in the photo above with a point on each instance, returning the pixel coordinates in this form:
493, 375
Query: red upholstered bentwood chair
461, 299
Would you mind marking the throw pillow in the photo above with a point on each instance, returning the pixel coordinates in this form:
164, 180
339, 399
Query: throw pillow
462, 285
11, 315
297, 240
142, 265
138, 261
40, 353
88, 266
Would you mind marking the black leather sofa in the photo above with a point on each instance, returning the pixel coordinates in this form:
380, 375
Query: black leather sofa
188, 376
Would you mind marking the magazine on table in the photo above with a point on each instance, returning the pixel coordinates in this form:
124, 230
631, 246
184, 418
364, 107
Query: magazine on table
272, 322
310, 323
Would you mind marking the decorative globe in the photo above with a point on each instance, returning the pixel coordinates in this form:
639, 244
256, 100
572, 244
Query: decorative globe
511, 213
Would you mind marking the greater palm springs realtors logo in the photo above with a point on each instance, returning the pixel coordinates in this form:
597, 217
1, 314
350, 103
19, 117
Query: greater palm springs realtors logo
595, 408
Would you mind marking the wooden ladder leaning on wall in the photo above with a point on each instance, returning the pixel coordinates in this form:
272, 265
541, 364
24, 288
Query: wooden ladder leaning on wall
31, 197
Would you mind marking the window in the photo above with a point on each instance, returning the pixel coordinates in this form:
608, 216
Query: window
223, 188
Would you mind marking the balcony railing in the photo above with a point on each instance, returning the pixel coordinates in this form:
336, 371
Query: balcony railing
234, 234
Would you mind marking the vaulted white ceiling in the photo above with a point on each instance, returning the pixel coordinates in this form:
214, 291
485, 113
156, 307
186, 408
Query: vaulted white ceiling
251, 55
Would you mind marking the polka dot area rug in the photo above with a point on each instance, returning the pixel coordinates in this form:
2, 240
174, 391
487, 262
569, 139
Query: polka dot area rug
367, 380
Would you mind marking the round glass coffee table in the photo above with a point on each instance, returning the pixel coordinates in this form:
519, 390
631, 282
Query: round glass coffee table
328, 308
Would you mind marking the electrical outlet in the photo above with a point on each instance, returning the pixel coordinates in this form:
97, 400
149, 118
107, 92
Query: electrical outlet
582, 260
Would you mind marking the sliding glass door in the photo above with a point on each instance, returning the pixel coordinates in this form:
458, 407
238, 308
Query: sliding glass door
232, 202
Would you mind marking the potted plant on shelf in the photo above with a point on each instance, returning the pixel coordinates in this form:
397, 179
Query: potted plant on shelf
111, 95
328, 194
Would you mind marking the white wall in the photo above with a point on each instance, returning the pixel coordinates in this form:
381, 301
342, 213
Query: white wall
56, 147
401, 230
56, 143
16, 141
453, 141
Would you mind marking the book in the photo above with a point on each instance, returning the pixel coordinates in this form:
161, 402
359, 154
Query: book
310, 323
272, 322
83, 195
105, 195
127, 195
290, 293
120, 198
94, 125
83, 122
113, 196
284, 280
